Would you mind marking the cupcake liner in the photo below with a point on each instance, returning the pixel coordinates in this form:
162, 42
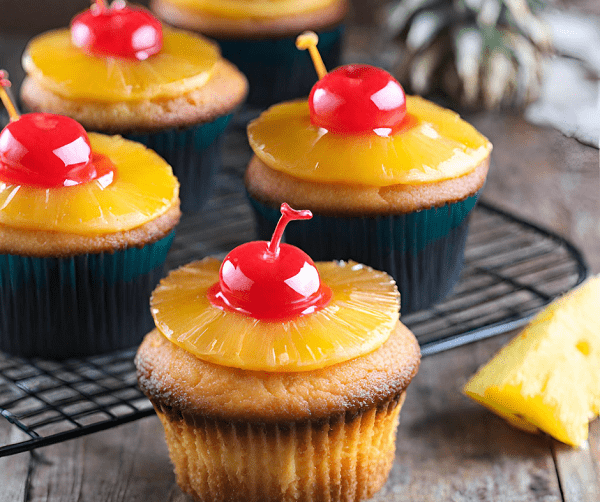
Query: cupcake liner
195, 156
423, 251
55, 308
276, 69
346, 457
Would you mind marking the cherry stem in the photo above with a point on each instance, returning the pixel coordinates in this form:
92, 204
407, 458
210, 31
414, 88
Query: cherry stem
8, 103
309, 40
287, 214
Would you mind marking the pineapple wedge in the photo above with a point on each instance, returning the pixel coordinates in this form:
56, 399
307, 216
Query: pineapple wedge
548, 377
359, 319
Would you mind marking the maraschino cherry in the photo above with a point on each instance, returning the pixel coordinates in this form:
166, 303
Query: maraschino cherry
268, 280
354, 98
118, 30
46, 150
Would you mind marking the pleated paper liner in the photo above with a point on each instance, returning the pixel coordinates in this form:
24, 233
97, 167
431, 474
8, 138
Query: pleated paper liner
276, 69
423, 251
56, 308
194, 154
343, 458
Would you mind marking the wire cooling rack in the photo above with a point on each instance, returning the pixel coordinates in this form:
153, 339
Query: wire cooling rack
512, 269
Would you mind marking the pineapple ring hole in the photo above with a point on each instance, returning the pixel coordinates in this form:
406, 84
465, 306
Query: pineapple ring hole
584, 347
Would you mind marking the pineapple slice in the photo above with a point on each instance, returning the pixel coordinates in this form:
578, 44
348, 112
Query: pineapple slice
548, 377
185, 63
440, 146
144, 188
360, 317
248, 9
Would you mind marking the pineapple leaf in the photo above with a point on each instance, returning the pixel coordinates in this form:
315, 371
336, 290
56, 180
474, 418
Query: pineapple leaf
425, 26
399, 14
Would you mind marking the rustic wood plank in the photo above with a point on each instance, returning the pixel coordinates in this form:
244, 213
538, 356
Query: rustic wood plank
14, 468
579, 469
554, 181
128, 463
450, 448
546, 177
176, 495
594, 441
578, 474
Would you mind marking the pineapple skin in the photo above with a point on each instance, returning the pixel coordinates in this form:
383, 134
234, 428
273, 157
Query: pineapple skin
240, 435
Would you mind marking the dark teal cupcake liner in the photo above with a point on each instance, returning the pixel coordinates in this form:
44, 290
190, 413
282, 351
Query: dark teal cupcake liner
276, 69
56, 308
423, 251
195, 155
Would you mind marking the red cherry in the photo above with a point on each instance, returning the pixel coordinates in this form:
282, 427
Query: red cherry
269, 281
48, 150
357, 99
120, 31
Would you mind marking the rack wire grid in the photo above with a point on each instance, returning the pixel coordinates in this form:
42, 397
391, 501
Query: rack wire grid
512, 269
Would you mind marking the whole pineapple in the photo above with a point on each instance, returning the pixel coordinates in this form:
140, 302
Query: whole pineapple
481, 53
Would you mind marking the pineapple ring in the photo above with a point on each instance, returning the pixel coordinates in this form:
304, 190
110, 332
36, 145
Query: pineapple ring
184, 63
261, 9
144, 188
440, 146
359, 319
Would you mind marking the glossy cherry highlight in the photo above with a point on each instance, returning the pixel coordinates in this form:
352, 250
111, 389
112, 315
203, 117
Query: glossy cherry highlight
357, 99
46, 150
118, 31
269, 280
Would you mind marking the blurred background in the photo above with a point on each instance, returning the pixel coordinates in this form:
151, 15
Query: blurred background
33, 16
536, 57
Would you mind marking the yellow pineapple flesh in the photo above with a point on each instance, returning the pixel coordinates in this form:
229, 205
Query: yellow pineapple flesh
143, 188
440, 146
359, 319
184, 63
548, 377
246, 9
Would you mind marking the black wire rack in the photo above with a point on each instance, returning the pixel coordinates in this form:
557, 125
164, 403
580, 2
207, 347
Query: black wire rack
512, 269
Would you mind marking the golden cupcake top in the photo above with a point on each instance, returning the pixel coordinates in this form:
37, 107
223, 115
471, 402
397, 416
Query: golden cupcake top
260, 9
56, 177
171, 375
358, 127
268, 307
119, 53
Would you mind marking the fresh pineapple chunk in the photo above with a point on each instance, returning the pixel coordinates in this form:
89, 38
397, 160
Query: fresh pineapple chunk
548, 377
184, 63
359, 319
440, 146
143, 189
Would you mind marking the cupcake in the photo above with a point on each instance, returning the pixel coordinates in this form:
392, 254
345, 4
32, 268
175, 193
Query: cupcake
277, 379
118, 71
391, 179
86, 222
258, 36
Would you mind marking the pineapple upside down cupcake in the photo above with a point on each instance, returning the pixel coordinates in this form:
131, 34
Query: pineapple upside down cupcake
117, 70
277, 379
258, 36
86, 222
391, 179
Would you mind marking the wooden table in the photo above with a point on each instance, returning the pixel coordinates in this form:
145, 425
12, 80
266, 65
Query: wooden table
448, 447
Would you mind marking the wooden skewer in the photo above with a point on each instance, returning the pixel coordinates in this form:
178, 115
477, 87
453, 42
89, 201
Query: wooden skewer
309, 40
100, 5
10, 107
